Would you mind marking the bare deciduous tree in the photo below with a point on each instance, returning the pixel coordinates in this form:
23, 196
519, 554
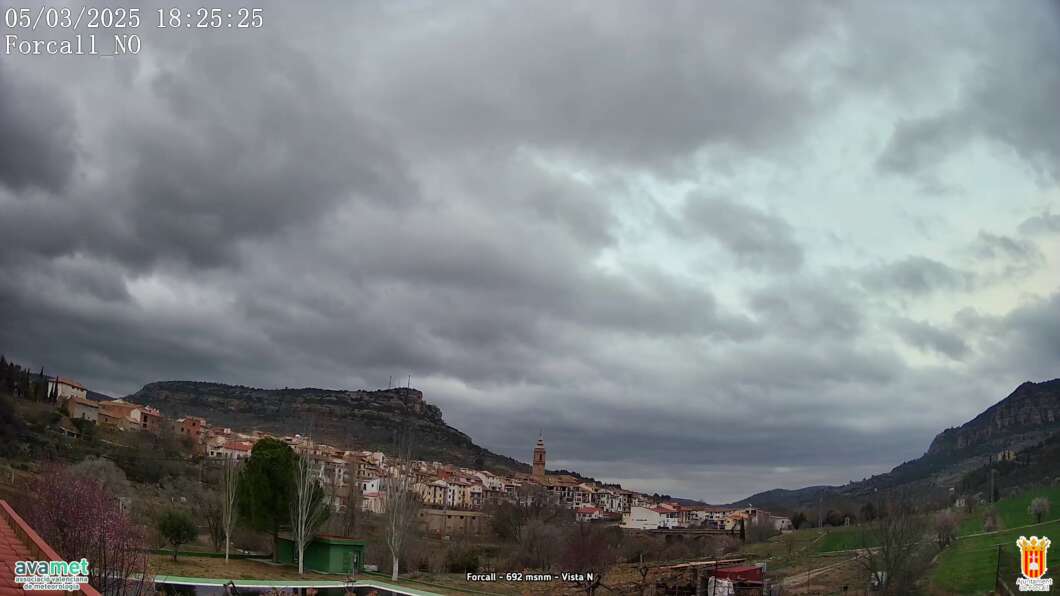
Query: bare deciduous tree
401, 503
590, 551
945, 528
990, 520
760, 531
81, 518
892, 549
230, 472
211, 508
790, 541
346, 502
105, 472
309, 505
539, 544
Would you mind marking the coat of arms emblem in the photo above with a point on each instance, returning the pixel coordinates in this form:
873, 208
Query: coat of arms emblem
1033, 564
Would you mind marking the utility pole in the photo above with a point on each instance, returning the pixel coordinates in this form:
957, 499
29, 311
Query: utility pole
997, 568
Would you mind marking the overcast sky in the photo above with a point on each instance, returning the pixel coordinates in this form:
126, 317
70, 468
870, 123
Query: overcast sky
709, 248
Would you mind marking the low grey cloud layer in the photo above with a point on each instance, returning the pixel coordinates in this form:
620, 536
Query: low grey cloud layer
917, 275
675, 239
757, 240
926, 336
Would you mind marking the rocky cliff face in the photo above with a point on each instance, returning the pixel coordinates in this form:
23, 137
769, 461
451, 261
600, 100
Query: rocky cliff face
353, 419
1033, 409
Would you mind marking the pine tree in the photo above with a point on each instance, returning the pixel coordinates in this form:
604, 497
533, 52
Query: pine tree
266, 485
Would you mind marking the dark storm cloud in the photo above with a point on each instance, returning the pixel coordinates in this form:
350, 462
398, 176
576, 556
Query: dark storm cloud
758, 240
105, 341
471, 302
775, 423
626, 83
928, 337
581, 211
217, 148
1028, 339
916, 276
36, 135
986, 106
271, 144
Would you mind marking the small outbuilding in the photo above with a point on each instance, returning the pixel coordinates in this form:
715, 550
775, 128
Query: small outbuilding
325, 554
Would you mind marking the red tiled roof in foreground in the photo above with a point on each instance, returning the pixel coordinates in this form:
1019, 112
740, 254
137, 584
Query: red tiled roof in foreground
18, 542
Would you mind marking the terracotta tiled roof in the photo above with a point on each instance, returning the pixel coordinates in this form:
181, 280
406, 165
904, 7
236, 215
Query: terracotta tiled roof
83, 402
119, 405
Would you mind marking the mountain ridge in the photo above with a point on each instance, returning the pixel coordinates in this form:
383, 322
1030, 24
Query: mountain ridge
353, 419
1026, 417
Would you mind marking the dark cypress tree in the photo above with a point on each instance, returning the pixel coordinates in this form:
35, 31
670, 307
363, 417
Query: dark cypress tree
40, 386
24, 386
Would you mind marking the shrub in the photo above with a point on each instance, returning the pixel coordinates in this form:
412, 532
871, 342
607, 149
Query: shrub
462, 559
177, 528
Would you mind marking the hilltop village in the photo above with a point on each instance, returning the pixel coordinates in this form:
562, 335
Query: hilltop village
455, 499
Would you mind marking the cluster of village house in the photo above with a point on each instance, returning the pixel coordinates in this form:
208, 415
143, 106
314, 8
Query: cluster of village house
453, 497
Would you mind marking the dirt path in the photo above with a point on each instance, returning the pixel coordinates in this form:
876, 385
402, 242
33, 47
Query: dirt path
804, 577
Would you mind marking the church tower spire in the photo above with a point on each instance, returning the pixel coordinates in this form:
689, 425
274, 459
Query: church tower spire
539, 458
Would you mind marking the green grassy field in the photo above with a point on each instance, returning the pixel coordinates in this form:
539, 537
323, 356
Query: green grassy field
848, 538
785, 546
1013, 511
969, 565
